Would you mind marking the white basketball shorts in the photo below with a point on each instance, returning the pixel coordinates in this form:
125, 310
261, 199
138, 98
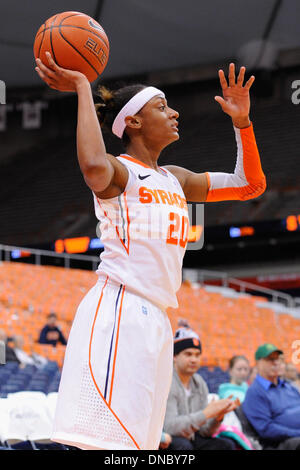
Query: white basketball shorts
117, 372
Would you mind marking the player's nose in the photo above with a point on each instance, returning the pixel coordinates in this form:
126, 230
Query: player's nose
174, 114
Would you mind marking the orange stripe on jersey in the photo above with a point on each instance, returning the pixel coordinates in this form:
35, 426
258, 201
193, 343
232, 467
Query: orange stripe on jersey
91, 370
116, 347
116, 228
128, 219
134, 160
128, 223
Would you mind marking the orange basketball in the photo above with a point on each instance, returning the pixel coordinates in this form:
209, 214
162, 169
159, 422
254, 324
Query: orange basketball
76, 42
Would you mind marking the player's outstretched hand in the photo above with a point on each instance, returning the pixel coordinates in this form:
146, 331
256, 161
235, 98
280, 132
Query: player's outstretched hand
58, 78
236, 99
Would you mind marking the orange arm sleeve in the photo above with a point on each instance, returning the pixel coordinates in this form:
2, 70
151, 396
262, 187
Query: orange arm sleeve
248, 180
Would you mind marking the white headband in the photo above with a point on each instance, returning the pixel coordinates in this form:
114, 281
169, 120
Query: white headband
132, 107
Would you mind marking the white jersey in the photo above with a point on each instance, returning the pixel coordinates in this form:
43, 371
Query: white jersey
144, 231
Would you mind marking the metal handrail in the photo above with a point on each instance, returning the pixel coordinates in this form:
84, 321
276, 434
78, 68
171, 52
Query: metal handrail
243, 285
38, 253
201, 274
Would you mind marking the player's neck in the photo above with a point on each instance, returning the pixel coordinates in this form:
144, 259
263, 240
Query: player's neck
145, 154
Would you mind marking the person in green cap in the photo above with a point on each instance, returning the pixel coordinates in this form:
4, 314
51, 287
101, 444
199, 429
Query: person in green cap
272, 405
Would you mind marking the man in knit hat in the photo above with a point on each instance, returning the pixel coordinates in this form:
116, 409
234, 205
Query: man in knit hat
189, 419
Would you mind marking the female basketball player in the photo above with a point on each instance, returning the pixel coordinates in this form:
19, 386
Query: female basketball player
118, 363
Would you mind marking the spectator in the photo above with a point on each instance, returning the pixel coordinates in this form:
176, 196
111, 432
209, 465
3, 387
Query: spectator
10, 355
239, 370
281, 367
165, 440
291, 375
272, 405
252, 375
51, 333
189, 419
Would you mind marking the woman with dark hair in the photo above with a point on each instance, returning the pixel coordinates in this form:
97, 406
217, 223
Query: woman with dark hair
118, 364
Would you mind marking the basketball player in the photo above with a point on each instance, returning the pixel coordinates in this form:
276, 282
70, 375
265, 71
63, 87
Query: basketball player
118, 363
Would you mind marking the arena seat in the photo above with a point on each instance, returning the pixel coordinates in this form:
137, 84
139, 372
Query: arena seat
228, 322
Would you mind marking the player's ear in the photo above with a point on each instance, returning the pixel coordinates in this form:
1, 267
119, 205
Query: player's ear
134, 122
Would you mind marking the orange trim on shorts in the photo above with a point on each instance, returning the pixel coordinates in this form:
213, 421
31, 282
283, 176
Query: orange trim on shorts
90, 365
116, 347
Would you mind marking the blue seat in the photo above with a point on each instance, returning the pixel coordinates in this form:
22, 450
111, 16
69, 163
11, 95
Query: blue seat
29, 369
40, 377
4, 376
23, 445
11, 388
51, 366
53, 388
15, 380
12, 366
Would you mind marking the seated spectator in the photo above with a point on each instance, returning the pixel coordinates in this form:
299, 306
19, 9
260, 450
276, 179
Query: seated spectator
10, 355
272, 405
165, 440
281, 367
252, 375
239, 370
51, 333
189, 419
291, 375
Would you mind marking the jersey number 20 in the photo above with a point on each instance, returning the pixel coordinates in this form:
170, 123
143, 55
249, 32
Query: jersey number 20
178, 229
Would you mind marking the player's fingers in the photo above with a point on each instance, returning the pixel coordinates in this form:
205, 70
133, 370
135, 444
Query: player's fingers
241, 76
220, 100
249, 83
45, 70
223, 80
231, 74
45, 78
52, 63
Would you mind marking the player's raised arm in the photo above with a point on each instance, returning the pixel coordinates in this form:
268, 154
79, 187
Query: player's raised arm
98, 169
248, 180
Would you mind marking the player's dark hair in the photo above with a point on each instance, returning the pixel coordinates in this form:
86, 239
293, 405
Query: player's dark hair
112, 103
234, 359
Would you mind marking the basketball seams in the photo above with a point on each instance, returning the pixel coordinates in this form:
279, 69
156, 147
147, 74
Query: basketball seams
54, 33
74, 47
51, 42
40, 46
84, 29
75, 26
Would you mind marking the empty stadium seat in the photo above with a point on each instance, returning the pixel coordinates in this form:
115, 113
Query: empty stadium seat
232, 325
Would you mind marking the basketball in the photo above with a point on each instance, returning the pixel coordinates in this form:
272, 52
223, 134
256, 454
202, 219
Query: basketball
76, 42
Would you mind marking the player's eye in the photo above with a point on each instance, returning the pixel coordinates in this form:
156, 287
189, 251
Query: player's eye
162, 107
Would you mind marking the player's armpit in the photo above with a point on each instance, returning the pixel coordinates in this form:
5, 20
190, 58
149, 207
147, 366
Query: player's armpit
108, 181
